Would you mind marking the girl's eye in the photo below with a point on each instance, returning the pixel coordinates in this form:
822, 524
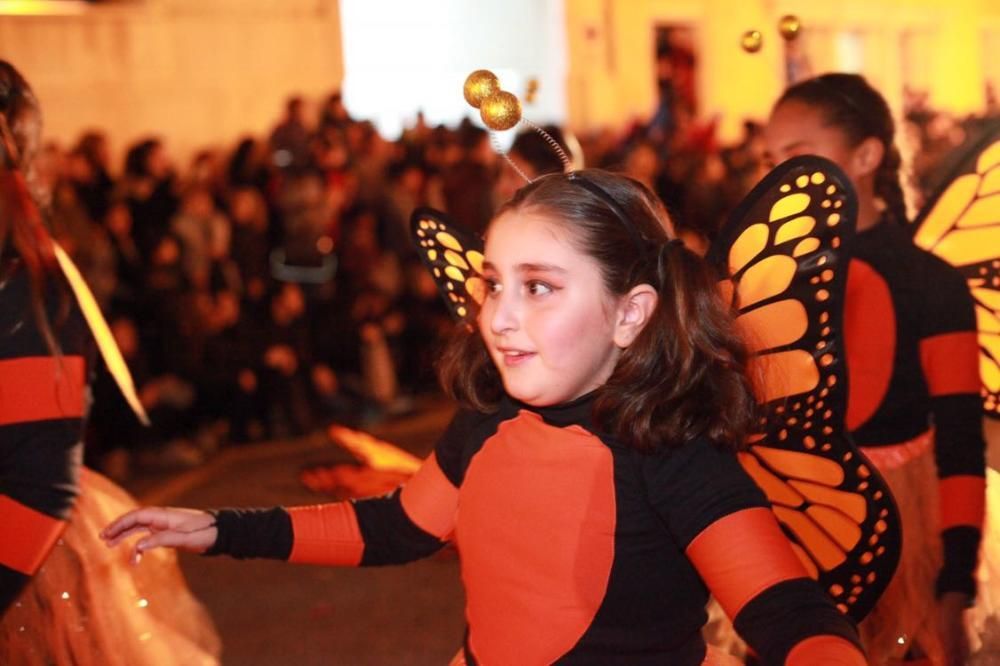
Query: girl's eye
538, 288
492, 286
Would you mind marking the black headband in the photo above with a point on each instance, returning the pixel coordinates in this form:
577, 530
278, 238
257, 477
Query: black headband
577, 179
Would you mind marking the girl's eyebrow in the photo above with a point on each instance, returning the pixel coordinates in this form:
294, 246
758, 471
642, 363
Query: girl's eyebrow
529, 268
540, 268
795, 145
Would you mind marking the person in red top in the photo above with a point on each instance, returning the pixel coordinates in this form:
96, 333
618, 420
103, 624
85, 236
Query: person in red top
910, 338
63, 600
590, 481
45, 350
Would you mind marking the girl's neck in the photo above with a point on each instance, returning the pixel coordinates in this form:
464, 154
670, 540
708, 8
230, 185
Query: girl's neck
869, 212
868, 215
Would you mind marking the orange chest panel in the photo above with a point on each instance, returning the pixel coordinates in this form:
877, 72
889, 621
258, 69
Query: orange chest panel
869, 339
536, 533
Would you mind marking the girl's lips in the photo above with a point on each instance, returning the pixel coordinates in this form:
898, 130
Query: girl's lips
512, 358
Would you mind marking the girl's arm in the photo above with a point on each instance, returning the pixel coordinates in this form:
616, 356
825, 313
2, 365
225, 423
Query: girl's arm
747, 563
949, 357
724, 524
412, 522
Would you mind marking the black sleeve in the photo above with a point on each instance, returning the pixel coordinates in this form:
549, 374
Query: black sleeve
248, 533
961, 557
959, 445
948, 308
785, 614
390, 536
696, 484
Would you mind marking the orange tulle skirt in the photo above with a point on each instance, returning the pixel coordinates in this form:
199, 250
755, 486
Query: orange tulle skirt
88, 606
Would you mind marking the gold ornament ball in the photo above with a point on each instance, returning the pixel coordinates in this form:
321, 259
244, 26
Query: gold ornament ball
479, 85
501, 111
789, 26
752, 41
532, 91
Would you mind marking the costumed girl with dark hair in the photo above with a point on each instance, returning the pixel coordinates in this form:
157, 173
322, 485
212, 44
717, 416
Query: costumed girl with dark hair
64, 599
913, 366
590, 482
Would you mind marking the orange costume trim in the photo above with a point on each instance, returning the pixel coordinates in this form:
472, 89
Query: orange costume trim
951, 363
41, 388
430, 500
825, 651
326, 534
29, 536
963, 501
765, 557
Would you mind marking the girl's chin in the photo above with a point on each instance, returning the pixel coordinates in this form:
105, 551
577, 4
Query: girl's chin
528, 397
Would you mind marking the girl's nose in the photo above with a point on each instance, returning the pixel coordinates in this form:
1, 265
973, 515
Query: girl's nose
503, 317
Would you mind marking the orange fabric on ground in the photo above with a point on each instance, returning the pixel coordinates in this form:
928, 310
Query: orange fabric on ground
41, 388
963, 501
951, 363
326, 534
430, 500
764, 557
28, 536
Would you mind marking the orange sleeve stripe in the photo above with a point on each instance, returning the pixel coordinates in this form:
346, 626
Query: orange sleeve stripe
951, 363
963, 501
326, 534
825, 651
40, 388
764, 557
430, 500
28, 536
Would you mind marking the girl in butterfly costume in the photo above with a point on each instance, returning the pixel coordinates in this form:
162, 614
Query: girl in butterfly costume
914, 398
63, 598
590, 482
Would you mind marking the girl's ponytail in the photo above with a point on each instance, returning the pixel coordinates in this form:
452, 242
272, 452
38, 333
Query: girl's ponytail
685, 375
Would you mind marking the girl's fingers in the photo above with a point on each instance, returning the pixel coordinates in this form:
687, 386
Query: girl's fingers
139, 517
198, 540
157, 521
115, 540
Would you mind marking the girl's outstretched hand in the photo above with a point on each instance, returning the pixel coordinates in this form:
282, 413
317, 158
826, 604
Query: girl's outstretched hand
187, 529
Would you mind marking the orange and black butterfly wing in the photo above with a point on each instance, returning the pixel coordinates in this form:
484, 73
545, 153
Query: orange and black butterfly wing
961, 224
785, 252
454, 258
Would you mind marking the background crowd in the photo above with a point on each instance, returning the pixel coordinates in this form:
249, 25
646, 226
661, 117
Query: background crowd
267, 288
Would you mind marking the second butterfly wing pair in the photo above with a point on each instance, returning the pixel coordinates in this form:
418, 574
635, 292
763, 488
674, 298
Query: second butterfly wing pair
961, 224
784, 255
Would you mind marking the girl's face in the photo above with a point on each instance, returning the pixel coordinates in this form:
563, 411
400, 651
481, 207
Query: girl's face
548, 320
796, 128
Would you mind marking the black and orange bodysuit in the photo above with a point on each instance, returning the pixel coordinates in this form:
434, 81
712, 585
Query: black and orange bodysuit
41, 420
612, 551
913, 364
910, 337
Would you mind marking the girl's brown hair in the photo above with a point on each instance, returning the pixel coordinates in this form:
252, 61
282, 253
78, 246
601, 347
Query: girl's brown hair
21, 232
685, 374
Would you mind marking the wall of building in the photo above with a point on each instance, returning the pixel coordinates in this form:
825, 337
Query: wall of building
946, 47
196, 72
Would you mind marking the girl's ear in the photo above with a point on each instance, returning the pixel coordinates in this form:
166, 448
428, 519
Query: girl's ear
634, 312
867, 156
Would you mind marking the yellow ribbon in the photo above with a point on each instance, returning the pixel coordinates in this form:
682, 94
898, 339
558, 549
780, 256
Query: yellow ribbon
102, 334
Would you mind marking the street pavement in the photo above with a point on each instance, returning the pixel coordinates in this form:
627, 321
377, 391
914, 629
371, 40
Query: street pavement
272, 613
